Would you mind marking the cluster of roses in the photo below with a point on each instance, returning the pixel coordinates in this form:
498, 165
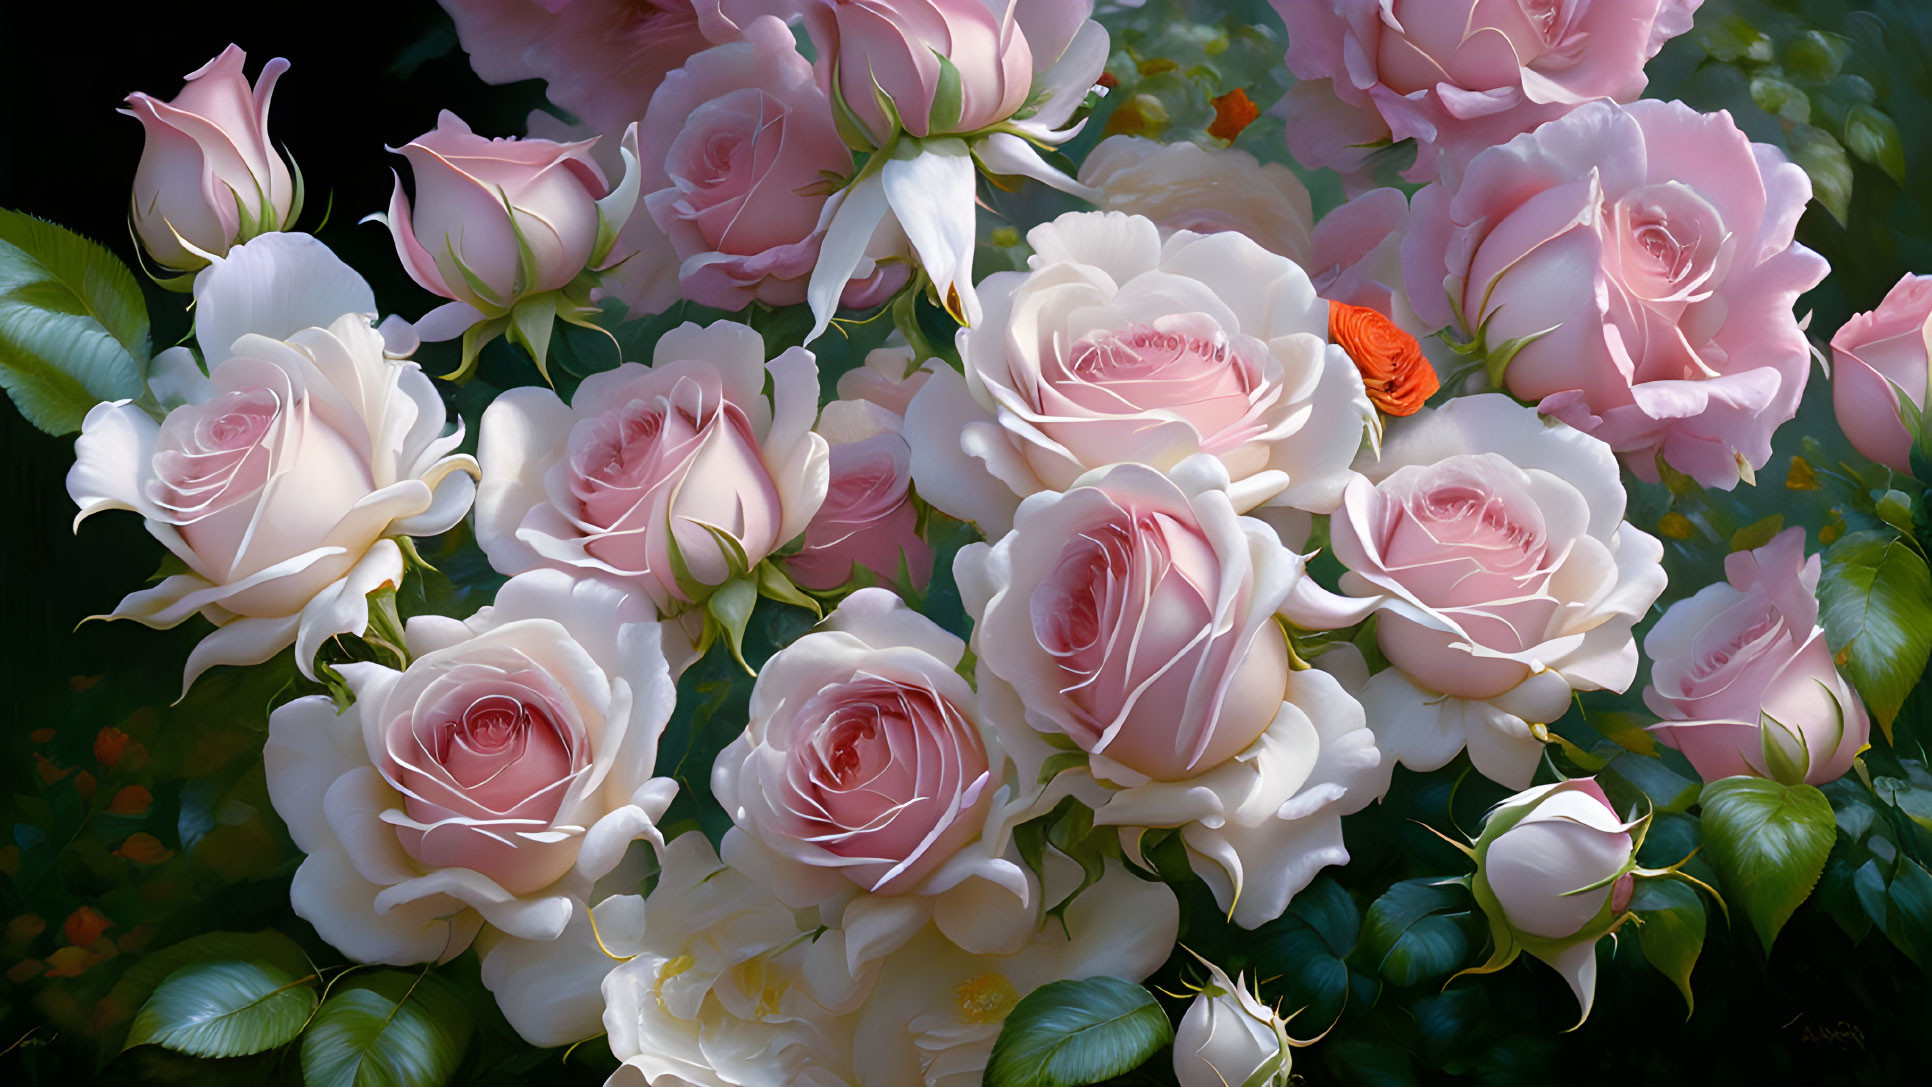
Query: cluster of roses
1180, 398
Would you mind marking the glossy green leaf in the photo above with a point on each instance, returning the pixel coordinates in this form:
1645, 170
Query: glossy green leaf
1769, 842
1824, 160
1406, 936
1875, 600
391, 1029
73, 325
225, 1009
1070, 1033
1874, 137
1671, 921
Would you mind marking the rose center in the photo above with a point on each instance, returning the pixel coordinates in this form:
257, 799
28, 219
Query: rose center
986, 998
1715, 658
492, 733
1184, 365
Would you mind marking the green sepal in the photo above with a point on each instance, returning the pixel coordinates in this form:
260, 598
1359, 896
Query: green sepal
850, 128
730, 607
474, 339
948, 99
531, 324
776, 584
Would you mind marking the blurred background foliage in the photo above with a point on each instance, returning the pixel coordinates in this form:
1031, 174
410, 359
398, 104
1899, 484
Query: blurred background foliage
135, 818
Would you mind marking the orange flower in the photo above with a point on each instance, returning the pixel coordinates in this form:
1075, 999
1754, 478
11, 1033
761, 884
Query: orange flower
1233, 112
109, 742
1397, 374
85, 925
131, 800
143, 848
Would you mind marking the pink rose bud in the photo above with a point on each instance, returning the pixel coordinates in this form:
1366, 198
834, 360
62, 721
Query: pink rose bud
498, 220
1744, 679
1877, 354
929, 66
209, 178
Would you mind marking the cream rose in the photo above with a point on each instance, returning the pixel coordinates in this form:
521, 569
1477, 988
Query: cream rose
648, 469
279, 479
1495, 548
1228, 1036
1116, 346
866, 771
1184, 186
1133, 618
490, 782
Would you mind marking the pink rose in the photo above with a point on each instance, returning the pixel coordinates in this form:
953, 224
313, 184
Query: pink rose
946, 66
1457, 76
279, 480
1506, 577
498, 220
1647, 254
648, 469
1877, 354
1134, 617
868, 520
1184, 186
750, 156
600, 59
1743, 677
864, 758
209, 175
493, 780
1358, 257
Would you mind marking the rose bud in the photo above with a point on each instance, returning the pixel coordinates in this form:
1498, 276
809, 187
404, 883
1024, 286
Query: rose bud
492, 781
670, 479
209, 178
1229, 1037
1555, 871
498, 221
1880, 357
930, 66
1743, 676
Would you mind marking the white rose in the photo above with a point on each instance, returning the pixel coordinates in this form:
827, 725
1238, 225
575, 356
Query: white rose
1184, 186
1228, 1035
1494, 546
492, 781
722, 991
1116, 346
1133, 618
936, 1010
280, 479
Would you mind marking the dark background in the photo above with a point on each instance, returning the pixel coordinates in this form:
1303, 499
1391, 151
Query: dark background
367, 74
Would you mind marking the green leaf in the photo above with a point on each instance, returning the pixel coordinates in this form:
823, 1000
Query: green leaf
73, 325
386, 1030
225, 1009
1875, 599
1824, 159
1670, 928
1874, 137
1070, 1033
1769, 842
1406, 937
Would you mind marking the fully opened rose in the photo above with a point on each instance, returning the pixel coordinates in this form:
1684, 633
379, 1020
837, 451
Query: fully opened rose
281, 480
1742, 673
1118, 346
1649, 285
492, 781
866, 769
1495, 548
1133, 618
